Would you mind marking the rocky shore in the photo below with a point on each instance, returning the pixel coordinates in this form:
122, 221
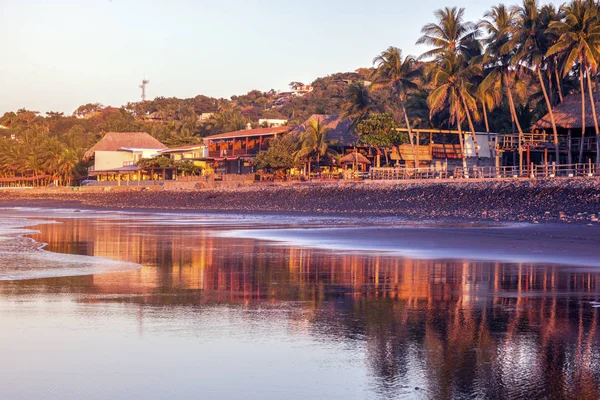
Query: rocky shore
575, 200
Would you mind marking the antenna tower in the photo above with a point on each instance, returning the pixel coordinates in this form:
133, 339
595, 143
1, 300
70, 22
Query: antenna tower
143, 87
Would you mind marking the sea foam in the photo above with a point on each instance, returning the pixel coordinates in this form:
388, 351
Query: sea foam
23, 258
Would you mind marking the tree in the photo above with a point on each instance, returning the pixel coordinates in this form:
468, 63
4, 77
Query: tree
534, 42
359, 104
450, 80
579, 39
400, 74
314, 143
379, 130
500, 23
455, 64
280, 154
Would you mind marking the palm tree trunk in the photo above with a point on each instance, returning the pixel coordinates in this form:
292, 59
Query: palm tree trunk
472, 127
410, 133
487, 127
462, 144
558, 85
594, 115
582, 87
513, 112
551, 112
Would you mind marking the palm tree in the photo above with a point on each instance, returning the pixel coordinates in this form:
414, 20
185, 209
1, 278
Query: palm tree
450, 34
358, 105
579, 39
456, 52
452, 90
400, 74
500, 23
314, 143
534, 42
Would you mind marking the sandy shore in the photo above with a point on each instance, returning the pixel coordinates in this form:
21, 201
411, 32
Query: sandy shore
576, 200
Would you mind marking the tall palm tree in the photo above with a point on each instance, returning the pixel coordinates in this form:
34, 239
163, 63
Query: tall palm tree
579, 39
455, 43
501, 26
533, 44
450, 34
453, 91
399, 73
314, 143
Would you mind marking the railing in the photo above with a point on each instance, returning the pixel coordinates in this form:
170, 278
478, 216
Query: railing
407, 173
511, 140
531, 171
233, 153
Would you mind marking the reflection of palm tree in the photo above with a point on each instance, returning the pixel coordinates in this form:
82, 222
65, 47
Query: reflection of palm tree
579, 39
314, 143
398, 73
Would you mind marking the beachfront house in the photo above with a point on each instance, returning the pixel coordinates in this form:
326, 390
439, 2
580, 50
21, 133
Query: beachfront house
539, 145
233, 152
114, 157
194, 153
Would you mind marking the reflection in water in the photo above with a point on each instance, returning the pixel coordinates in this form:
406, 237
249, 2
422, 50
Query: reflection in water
431, 329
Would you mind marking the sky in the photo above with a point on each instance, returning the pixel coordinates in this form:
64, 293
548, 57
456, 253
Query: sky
59, 54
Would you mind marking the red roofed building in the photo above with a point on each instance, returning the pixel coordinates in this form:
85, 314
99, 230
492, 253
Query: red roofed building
233, 152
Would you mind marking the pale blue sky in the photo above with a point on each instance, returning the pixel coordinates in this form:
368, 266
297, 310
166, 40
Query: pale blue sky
59, 54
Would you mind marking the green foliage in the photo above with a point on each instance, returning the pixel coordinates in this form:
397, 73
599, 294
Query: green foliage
379, 130
279, 155
156, 162
188, 168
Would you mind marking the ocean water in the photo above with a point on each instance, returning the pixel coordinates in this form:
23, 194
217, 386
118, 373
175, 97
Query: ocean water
100, 305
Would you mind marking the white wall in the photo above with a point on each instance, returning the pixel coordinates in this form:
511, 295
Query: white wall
108, 160
482, 142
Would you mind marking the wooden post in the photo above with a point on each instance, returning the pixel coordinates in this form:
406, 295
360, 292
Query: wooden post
569, 149
233, 146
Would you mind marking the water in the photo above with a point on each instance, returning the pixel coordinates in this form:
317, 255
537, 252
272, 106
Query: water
218, 311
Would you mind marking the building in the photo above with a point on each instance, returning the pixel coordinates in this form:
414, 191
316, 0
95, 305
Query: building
568, 119
115, 155
233, 152
195, 153
272, 123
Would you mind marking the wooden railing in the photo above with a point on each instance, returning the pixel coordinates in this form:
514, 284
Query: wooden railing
531, 171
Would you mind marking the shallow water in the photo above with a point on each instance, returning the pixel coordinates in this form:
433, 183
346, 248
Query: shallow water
216, 311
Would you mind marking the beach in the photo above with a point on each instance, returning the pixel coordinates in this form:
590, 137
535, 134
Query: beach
563, 201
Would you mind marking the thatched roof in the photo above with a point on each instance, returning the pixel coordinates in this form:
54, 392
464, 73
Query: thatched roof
354, 158
115, 141
567, 114
339, 130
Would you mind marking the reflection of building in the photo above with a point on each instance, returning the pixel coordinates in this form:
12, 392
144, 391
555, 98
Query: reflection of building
117, 153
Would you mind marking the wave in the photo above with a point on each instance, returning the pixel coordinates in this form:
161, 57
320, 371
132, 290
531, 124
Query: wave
22, 258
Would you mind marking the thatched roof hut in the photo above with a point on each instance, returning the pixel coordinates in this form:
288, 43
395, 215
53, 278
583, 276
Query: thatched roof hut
115, 141
339, 130
354, 158
567, 114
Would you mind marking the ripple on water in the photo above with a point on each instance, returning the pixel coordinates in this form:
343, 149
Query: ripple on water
23, 258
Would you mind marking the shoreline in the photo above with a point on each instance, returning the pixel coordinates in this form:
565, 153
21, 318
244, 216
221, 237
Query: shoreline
562, 201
